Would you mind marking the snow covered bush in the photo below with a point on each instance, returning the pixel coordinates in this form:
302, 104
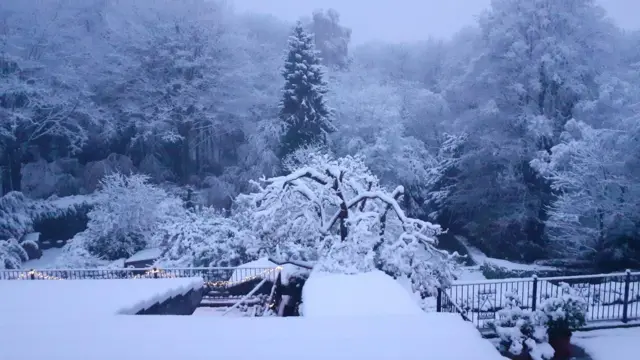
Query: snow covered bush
204, 238
16, 215
128, 211
335, 211
565, 312
12, 254
521, 331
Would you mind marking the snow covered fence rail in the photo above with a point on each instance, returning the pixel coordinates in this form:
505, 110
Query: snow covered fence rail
610, 297
213, 277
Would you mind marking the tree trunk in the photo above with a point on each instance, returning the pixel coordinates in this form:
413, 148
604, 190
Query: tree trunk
11, 171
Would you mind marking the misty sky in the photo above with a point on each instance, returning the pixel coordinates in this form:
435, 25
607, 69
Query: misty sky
408, 20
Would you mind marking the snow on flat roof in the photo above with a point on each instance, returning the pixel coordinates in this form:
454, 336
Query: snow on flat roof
146, 254
435, 336
62, 298
366, 294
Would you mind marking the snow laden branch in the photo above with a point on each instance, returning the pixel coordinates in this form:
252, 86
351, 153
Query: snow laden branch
366, 228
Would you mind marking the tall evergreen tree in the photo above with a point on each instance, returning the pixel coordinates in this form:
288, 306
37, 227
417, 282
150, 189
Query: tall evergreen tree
303, 109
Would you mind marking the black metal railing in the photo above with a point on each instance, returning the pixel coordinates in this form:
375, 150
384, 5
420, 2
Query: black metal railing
213, 277
610, 297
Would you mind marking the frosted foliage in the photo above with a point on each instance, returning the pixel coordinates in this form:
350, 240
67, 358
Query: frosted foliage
336, 212
16, 215
566, 311
371, 124
128, 211
521, 330
12, 254
203, 238
597, 199
331, 39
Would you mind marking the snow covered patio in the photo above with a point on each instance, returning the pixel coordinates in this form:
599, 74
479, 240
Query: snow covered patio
610, 344
79, 320
434, 336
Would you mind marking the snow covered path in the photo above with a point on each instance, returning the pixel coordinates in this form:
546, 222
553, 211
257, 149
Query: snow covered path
610, 344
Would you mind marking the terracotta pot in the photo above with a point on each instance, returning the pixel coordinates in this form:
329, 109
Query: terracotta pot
562, 346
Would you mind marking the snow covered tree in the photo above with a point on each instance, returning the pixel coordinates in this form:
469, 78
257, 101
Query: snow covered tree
331, 39
204, 238
533, 63
304, 113
335, 211
596, 199
128, 211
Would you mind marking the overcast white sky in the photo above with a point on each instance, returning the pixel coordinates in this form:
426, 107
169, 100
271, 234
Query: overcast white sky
409, 20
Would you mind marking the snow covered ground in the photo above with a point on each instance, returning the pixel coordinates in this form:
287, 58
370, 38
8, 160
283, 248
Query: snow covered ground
76, 298
610, 344
46, 261
481, 258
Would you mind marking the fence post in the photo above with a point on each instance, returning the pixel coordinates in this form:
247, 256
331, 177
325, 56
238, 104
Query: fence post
625, 304
439, 301
534, 294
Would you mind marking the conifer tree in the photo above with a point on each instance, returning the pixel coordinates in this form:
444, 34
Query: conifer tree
303, 109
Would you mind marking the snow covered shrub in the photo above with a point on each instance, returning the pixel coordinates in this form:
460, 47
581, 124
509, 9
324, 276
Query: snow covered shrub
565, 312
204, 238
521, 331
62, 218
12, 255
335, 211
16, 215
128, 211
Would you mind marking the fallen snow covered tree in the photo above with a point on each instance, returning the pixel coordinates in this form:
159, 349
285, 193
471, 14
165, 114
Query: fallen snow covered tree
335, 211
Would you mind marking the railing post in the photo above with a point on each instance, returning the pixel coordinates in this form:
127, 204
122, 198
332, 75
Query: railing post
439, 301
534, 294
625, 304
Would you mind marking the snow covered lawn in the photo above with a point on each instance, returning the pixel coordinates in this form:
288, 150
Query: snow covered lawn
74, 298
610, 344
429, 336
46, 261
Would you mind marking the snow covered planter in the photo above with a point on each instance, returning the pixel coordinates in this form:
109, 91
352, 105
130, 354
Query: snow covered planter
522, 333
563, 314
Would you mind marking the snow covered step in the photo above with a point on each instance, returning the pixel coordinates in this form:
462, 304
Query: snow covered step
221, 302
217, 293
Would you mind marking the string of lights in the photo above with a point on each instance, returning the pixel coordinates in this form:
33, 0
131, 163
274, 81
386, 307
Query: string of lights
157, 273
32, 274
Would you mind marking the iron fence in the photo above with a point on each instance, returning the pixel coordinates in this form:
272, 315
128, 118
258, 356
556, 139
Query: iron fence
213, 277
609, 297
